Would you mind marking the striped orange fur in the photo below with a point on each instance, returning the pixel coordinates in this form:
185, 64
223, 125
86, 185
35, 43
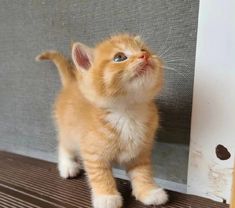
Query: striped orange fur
105, 113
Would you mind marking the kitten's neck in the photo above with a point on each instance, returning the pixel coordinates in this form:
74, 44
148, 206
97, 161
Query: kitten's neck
123, 104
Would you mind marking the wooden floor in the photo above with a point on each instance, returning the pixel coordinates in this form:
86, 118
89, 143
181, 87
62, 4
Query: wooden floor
32, 183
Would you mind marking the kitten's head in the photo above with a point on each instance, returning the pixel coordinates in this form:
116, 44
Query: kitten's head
119, 69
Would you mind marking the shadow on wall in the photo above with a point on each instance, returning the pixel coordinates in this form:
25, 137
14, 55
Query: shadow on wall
174, 125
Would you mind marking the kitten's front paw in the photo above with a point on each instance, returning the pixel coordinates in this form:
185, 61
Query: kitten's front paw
69, 169
107, 201
155, 197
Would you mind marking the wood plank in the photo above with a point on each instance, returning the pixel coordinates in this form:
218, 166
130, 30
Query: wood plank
32, 183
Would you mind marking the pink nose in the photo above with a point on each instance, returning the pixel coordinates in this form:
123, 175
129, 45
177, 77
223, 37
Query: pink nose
144, 56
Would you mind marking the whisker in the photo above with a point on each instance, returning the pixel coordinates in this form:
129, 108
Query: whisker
176, 64
141, 33
174, 60
173, 69
181, 65
165, 42
165, 52
171, 54
177, 61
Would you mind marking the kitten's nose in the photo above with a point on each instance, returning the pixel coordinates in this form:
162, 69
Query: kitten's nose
144, 56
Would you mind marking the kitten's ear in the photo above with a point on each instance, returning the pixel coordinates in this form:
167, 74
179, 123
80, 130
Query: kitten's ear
82, 56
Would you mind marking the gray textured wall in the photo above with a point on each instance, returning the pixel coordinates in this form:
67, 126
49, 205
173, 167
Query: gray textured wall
27, 89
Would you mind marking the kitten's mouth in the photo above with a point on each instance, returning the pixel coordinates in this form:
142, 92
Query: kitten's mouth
143, 69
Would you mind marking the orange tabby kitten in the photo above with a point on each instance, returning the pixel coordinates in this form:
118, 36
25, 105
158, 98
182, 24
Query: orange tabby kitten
106, 113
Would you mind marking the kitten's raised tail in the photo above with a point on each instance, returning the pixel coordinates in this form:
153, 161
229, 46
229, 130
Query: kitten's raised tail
65, 68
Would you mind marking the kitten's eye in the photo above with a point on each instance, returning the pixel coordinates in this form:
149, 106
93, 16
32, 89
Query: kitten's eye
119, 57
142, 49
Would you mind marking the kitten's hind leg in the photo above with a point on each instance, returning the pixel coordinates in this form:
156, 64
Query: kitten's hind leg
67, 163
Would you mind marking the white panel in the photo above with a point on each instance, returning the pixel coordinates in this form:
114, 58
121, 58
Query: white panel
213, 116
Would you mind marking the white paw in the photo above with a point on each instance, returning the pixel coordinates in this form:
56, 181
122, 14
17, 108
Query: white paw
155, 197
69, 169
107, 201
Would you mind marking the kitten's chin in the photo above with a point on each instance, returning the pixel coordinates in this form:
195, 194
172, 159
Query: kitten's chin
142, 71
143, 87
144, 78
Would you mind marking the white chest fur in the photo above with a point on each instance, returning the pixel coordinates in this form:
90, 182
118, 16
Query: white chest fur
131, 126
